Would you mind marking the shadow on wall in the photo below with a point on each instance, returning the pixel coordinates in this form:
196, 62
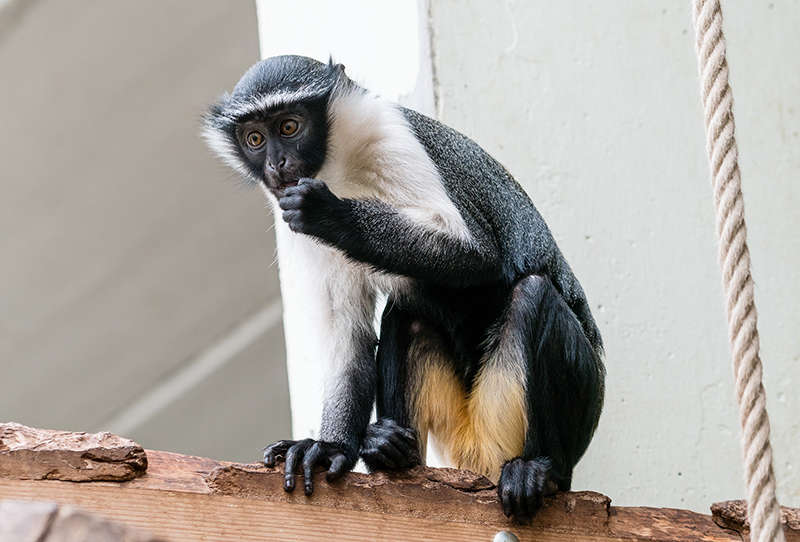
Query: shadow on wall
130, 253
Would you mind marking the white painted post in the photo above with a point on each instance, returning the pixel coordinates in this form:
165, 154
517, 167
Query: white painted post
384, 46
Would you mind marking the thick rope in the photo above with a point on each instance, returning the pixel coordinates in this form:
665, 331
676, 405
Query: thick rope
734, 256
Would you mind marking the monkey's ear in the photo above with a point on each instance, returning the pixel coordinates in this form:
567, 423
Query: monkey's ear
335, 66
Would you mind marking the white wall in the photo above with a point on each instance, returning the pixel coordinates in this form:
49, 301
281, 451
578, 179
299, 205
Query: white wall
595, 109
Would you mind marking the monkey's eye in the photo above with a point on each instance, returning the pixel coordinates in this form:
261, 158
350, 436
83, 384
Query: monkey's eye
289, 127
254, 139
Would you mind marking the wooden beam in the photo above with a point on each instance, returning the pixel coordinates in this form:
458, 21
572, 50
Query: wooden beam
22, 521
733, 515
184, 498
44, 454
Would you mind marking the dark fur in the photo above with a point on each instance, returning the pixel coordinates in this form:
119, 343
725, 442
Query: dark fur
510, 276
513, 274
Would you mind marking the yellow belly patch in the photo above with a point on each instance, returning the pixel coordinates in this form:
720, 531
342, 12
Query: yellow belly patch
478, 431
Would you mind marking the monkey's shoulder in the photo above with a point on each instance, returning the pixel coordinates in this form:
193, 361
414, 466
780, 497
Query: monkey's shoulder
454, 153
484, 191
470, 174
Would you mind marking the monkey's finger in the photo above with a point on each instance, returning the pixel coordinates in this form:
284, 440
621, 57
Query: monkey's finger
312, 457
293, 456
392, 452
275, 451
338, 467
376, 457
402, 437
529, 493
408, 434
541, 485
408, 447
290, 202
298, 189
308, 181
505, 488
504, 492
289, 216
280, 445
518, 494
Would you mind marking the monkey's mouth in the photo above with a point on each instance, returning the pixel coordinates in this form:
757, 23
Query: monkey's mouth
279, 184
279, 188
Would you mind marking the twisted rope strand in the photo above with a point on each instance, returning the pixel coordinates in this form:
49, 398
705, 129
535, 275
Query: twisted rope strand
734, 257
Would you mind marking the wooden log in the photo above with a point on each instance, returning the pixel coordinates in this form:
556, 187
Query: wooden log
24, 521
733, 515
184, 498
423, 492
43, 454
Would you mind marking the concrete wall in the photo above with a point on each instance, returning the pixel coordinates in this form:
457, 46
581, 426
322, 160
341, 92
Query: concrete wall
594, 106
137, 291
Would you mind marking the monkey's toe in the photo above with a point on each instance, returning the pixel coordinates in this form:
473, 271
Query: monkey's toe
276, 452
522, 486
389, 446
310, 455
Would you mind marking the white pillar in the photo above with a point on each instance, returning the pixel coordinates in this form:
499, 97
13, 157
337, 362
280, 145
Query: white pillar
385, 47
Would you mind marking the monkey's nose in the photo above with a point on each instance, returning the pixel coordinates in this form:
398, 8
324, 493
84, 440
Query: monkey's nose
281, 165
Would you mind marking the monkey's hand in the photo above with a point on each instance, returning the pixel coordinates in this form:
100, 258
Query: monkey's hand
389, 446
522, 485
309, 453
311, 208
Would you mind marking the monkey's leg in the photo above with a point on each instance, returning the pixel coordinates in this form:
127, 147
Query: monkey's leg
391, 443
564, 377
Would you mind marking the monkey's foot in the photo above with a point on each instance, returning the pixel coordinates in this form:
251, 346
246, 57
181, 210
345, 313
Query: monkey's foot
389, 446
522, 485
309, 453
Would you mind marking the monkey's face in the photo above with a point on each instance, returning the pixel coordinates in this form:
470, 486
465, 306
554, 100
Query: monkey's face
283, 145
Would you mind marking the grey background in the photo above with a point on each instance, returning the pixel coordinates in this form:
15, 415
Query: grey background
126, 249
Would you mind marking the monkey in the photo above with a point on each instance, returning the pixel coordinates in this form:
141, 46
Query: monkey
487, 344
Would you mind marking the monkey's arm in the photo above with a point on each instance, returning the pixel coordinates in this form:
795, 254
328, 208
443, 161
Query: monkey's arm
349, 395
378, 234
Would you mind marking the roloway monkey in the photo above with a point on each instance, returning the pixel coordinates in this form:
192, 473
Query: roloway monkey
486, 342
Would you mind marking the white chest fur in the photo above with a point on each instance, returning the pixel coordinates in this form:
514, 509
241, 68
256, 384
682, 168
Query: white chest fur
372, 154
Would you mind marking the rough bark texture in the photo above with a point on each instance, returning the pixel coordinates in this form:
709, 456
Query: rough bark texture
25, 521
43, 454
733, 515
185, 499
423, 492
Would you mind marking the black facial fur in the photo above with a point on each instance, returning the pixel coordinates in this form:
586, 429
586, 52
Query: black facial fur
272, 90
282, 159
